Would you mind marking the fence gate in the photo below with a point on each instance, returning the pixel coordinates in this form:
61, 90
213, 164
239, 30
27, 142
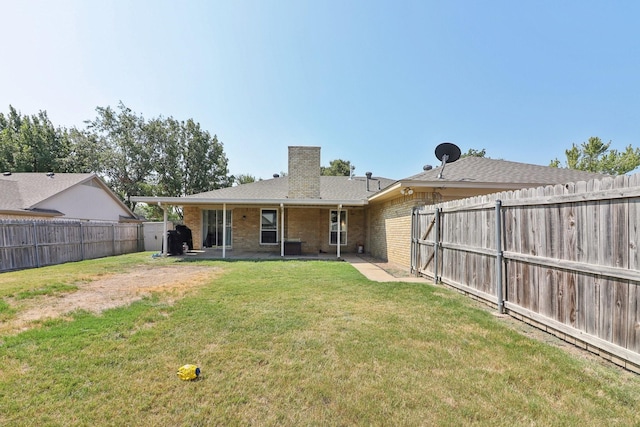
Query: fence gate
424, 238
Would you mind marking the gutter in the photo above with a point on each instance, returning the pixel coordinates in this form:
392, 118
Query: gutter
208, 201
440, 185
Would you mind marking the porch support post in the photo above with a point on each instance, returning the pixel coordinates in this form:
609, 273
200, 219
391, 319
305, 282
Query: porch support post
165, 232
282, 229
224, 230
339, 230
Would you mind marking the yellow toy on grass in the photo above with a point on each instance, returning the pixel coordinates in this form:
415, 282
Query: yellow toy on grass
188, 372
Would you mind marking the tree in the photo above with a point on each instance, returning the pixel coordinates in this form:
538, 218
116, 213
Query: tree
87, 152
159, 157
31, 143
205, 165
337, 167
128, 161
244, 179
475, 153
595, 156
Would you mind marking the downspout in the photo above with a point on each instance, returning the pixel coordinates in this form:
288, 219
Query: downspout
224, 230
282, 229
165, 232
339, 229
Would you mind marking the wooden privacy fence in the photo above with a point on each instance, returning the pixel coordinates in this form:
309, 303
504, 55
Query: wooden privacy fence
564, 258
28, 244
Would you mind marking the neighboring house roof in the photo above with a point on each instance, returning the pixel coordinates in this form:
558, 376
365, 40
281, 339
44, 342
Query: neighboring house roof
333, 190
485, 173
29, 193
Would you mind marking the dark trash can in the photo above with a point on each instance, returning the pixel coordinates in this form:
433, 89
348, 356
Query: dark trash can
184, 233
174, 243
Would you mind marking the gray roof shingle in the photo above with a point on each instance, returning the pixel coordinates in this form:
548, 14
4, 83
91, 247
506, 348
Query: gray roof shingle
22, 191
331, 188
483, 170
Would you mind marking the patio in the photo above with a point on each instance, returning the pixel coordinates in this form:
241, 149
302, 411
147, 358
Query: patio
235, 255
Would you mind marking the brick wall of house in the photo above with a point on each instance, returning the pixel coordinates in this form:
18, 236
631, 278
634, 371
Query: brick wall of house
192, 218
310, 225
390, 228
304, 172
246, 230
356, 230
305, 224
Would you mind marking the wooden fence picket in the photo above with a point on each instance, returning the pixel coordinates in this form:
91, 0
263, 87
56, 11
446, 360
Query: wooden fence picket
570, 258
29, 244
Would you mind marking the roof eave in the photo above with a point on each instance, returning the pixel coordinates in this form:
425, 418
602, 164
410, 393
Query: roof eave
182, 201
101, 183
26, 212
443, 184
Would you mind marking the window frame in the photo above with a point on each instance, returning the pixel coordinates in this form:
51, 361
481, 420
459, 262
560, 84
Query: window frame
269, 230
342, 229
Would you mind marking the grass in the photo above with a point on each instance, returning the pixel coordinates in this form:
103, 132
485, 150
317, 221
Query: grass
31, 282
299, 343
51, 289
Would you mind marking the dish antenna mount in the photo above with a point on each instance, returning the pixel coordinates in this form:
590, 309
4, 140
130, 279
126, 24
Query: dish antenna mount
447, 153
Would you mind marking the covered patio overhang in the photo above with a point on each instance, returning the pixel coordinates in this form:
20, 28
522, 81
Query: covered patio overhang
164, 202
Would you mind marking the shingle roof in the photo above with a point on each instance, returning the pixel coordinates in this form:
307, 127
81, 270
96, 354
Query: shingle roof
331, 188
483, 170
24, 191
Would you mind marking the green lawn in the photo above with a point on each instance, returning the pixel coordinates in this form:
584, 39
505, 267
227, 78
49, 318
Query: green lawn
293, 343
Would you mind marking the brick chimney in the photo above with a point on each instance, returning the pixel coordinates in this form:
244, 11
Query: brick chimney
304, 172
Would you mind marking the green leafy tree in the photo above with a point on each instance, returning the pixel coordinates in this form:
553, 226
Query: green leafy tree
475, 153
337, 167
31, 143
9, 130
166, 137
205, 164
87, 152
161, 156
128, 161
244, 179
596, 156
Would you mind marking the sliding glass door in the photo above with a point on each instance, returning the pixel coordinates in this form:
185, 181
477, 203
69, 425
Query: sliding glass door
212, 222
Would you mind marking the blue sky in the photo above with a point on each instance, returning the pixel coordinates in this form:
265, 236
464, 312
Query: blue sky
379, 83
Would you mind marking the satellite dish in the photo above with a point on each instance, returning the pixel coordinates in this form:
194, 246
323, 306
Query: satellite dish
447, 153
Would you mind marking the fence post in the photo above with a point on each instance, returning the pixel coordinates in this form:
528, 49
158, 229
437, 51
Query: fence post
113, 233
436, 246
414, 270
81, 242
499, 257
35, 243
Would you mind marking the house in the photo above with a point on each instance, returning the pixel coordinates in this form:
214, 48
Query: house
306, 213
73, 196
390, 209
301, 213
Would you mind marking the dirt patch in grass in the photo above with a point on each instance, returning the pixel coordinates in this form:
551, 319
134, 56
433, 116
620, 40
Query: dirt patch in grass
110, 292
